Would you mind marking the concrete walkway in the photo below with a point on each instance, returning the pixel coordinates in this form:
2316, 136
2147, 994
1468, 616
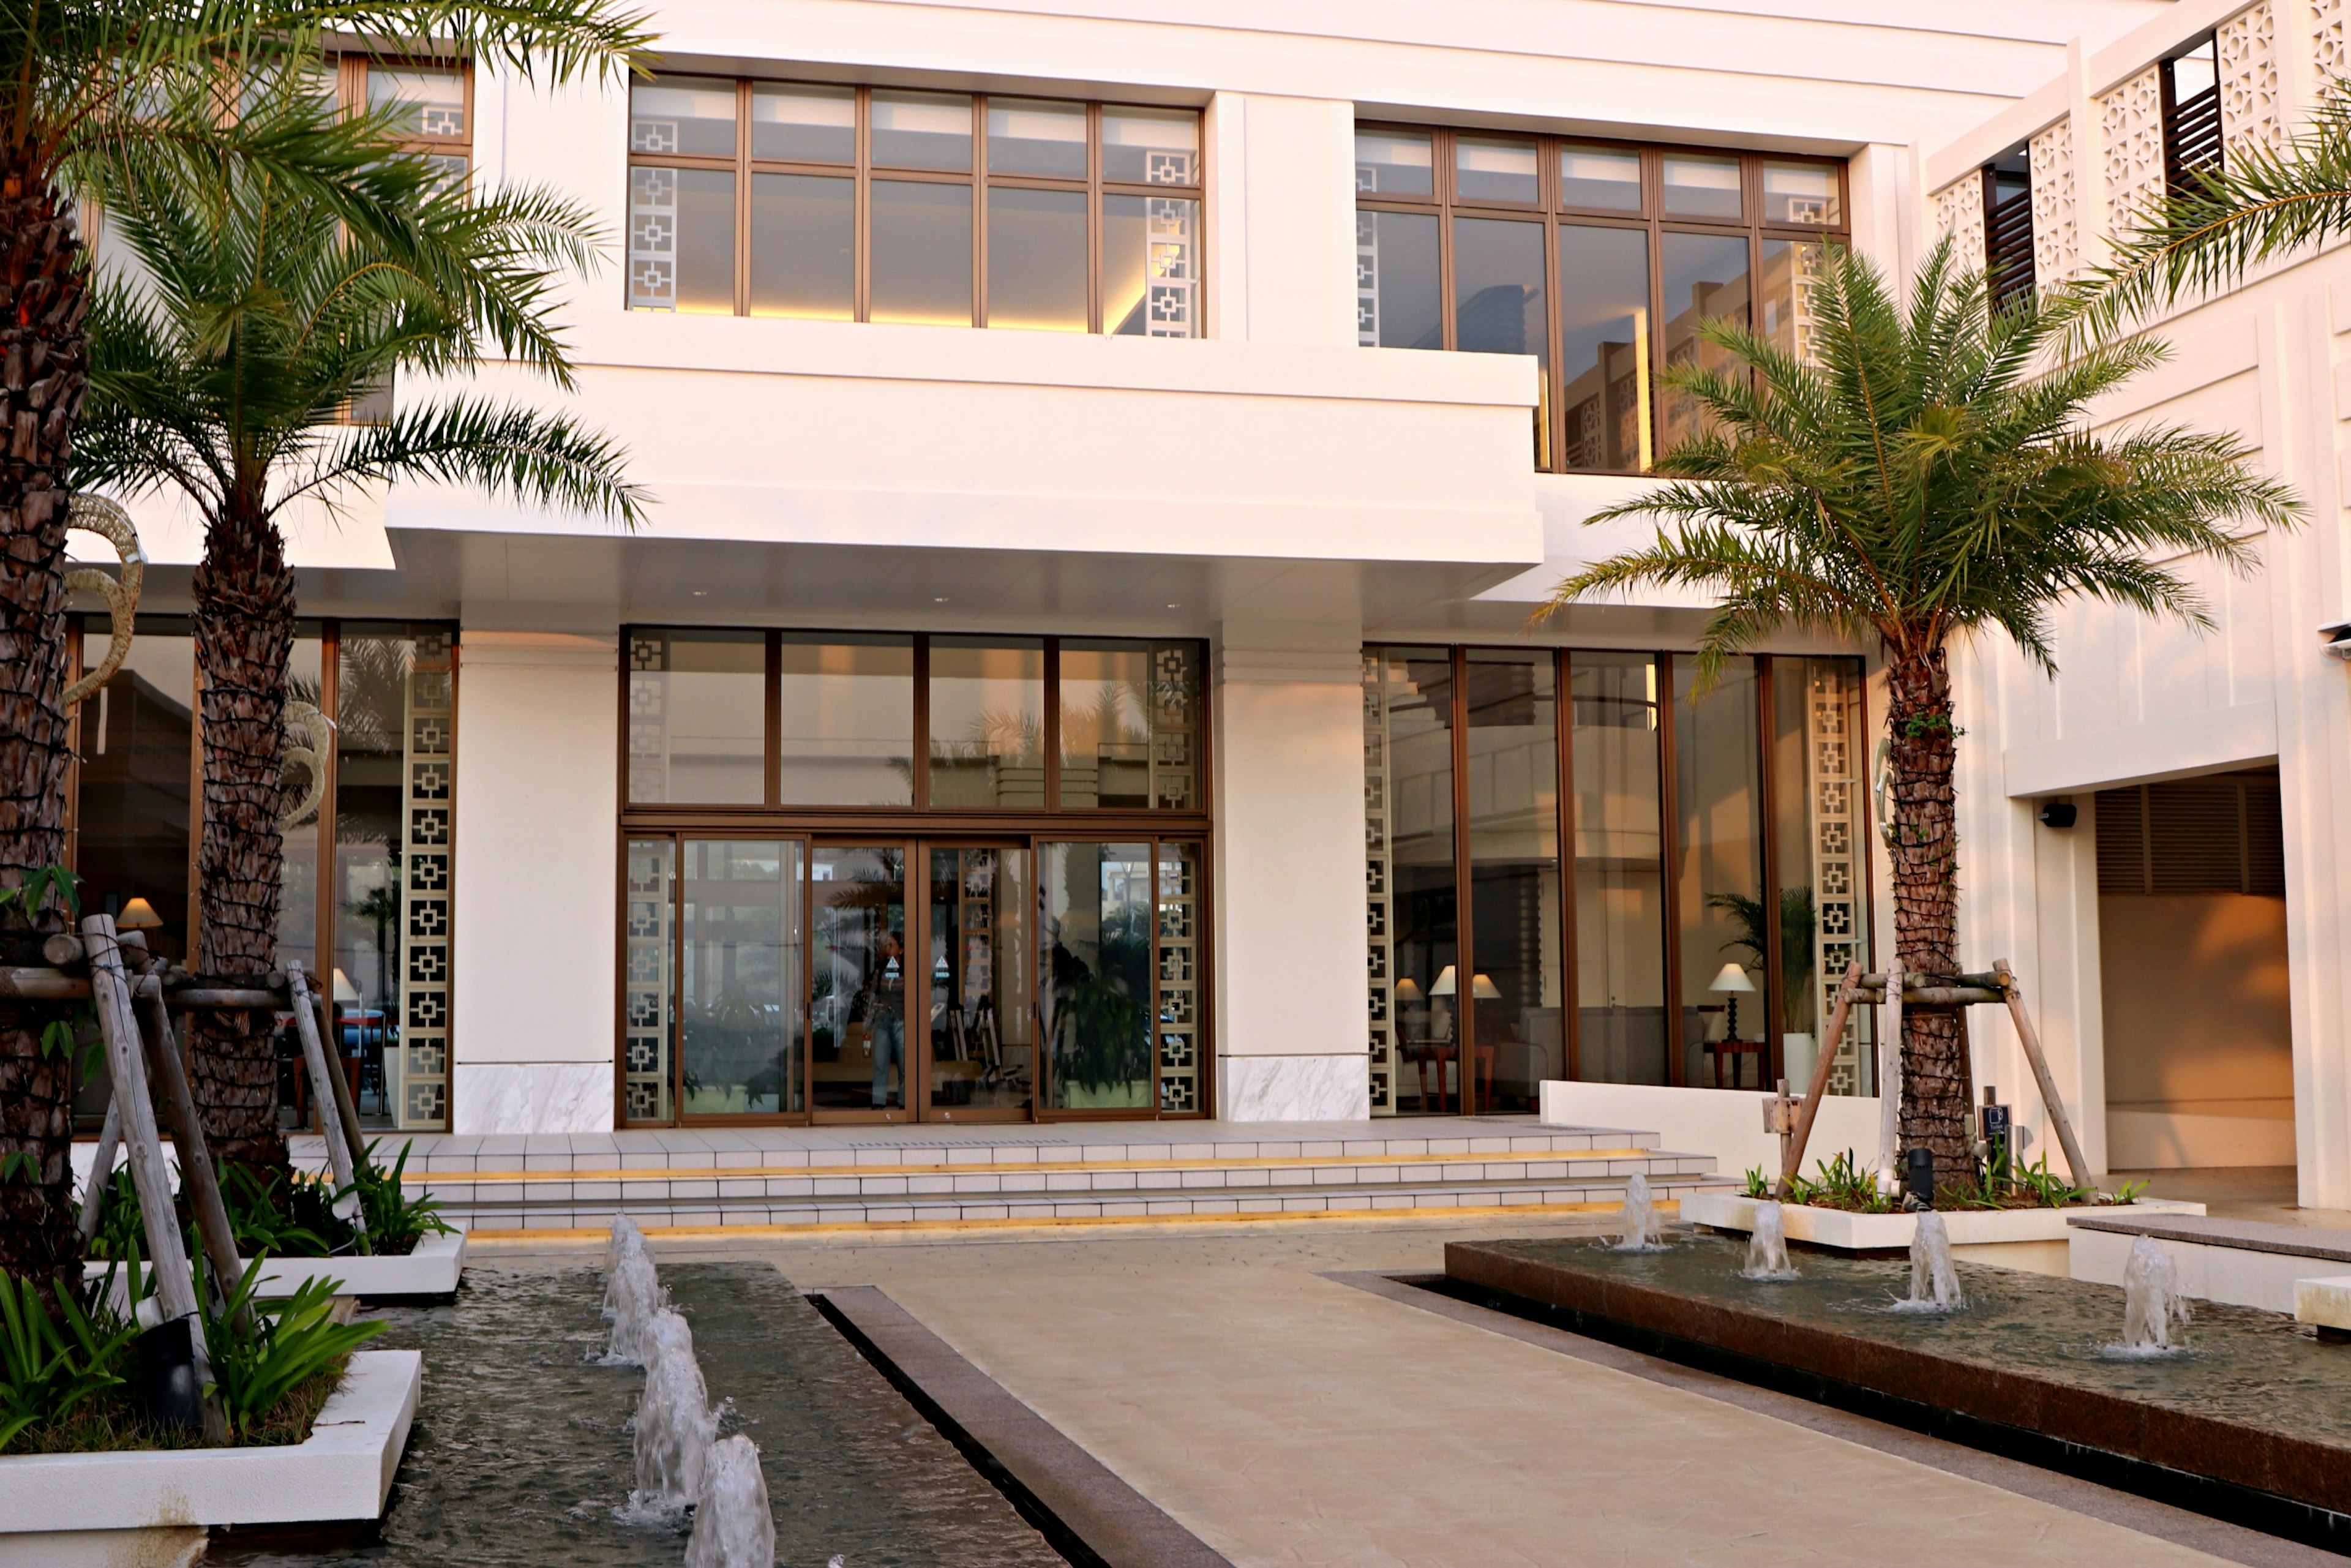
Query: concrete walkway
1287, 1418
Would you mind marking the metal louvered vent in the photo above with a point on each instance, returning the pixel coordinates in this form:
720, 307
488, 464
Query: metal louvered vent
2221, 834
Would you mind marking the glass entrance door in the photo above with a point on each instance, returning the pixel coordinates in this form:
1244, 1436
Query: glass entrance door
979, 1032
857, 994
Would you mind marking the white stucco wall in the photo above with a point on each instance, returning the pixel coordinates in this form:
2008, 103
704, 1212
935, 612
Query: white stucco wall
537, 889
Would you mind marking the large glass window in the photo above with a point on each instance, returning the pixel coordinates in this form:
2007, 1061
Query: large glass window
136, 821
1094, 995
845, 719
883, 204
697, 724
987, 721
745, 972
1663, 238
1718, 880
1130, 721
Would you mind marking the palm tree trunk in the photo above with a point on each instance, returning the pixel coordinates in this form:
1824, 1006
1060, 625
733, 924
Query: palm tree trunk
1927, 906
244, 596
44, 374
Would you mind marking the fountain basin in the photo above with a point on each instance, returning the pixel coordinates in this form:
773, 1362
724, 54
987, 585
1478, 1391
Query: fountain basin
61, 1508
2030, 1238
2252, 1422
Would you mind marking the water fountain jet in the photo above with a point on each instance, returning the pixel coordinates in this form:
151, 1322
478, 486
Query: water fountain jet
1934, 1279
633, 1297
675, 1424
1767, 1245
2153, 1304
1643, 1229
733, 1525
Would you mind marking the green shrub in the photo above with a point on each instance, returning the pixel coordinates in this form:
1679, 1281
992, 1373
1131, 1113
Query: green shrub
395, 1221
284, 1343
53, 1360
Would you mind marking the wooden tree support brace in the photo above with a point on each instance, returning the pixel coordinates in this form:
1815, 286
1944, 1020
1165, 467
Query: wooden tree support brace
354, 1135
1889, 1076
1792, 1160
338, 1151
101, 1170
174, 1283
2042, 1076
197, 1172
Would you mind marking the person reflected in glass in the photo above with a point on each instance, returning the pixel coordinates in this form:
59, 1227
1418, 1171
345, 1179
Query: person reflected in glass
885, 1015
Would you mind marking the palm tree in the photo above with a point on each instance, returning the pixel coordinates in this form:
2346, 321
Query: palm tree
223, 367
1928, 474
90, 89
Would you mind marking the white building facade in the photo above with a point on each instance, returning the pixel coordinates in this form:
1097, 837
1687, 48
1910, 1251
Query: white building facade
1078, 662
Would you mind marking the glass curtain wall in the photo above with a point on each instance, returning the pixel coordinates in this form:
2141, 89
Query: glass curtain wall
1718, 885
1095, 993
744, 968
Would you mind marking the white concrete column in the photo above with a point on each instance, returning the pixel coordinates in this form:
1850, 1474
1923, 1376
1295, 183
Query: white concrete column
537, 883
1282, 218
1290, 990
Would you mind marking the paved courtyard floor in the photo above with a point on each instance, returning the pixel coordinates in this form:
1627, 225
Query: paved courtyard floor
1289, 1417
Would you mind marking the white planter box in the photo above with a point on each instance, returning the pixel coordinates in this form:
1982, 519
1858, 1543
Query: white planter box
433, 1270
1968, 1227
343, 1470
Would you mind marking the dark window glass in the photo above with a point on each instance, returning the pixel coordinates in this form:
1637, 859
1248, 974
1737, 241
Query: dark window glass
1399, 302
1498, 288
1093, 987
1604, 297
1719, 884
804, 124
803, 246
1519, 1038
922, 252
1608, 178
922, 130
1031, 136
1037, 259
1488, 170
1699, 187
1393, 164
1704, 279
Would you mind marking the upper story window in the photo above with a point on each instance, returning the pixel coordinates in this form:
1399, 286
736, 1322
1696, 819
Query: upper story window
758, 198
1597, 257
2008, 227
2191, 114
434, 102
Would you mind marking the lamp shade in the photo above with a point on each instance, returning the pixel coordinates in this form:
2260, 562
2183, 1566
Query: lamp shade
1484, 989
1443, 986
1408, 990
345, 993
138, 915
1732, 979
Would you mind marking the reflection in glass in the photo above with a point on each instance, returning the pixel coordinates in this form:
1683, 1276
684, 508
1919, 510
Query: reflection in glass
1498, 288
1705, 277
803, 246
1702, 187
138, 806
1819, 743
1513, 777
1130, 721
685, 117
987, 721
739, 1003
681, 240
922, 252
1489, 170
1414, 901
1036, 136
698, 732
922, 130
1151, 146
1800, 193
1036, 259
1719, 884
648, 1073
1093, 987
1150, 266
1604, 305
982, 1035
804, 124
846, 724
1620, 970
1399, 303
1606, 178
1393, 164
1791, 271
857, 1007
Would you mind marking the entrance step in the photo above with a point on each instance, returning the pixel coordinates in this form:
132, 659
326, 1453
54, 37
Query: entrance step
986, 1186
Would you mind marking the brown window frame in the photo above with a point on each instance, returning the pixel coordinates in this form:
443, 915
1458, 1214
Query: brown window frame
862, 171
1550, 211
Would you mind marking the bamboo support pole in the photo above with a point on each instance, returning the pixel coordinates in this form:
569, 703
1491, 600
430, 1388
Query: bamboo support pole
175, 1286
354, 1135
1889, 1073
2041, 1074
1792, 1160
101, 1170
197, 1176
331, 1121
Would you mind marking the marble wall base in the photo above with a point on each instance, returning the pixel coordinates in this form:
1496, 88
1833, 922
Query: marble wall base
534, 1097
1294, 1088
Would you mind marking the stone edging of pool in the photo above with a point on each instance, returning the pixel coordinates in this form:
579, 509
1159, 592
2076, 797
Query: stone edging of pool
55, 1505
2268, 1481
1086, 1512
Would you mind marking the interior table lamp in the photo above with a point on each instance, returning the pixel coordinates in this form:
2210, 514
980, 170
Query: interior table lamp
1732, 983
